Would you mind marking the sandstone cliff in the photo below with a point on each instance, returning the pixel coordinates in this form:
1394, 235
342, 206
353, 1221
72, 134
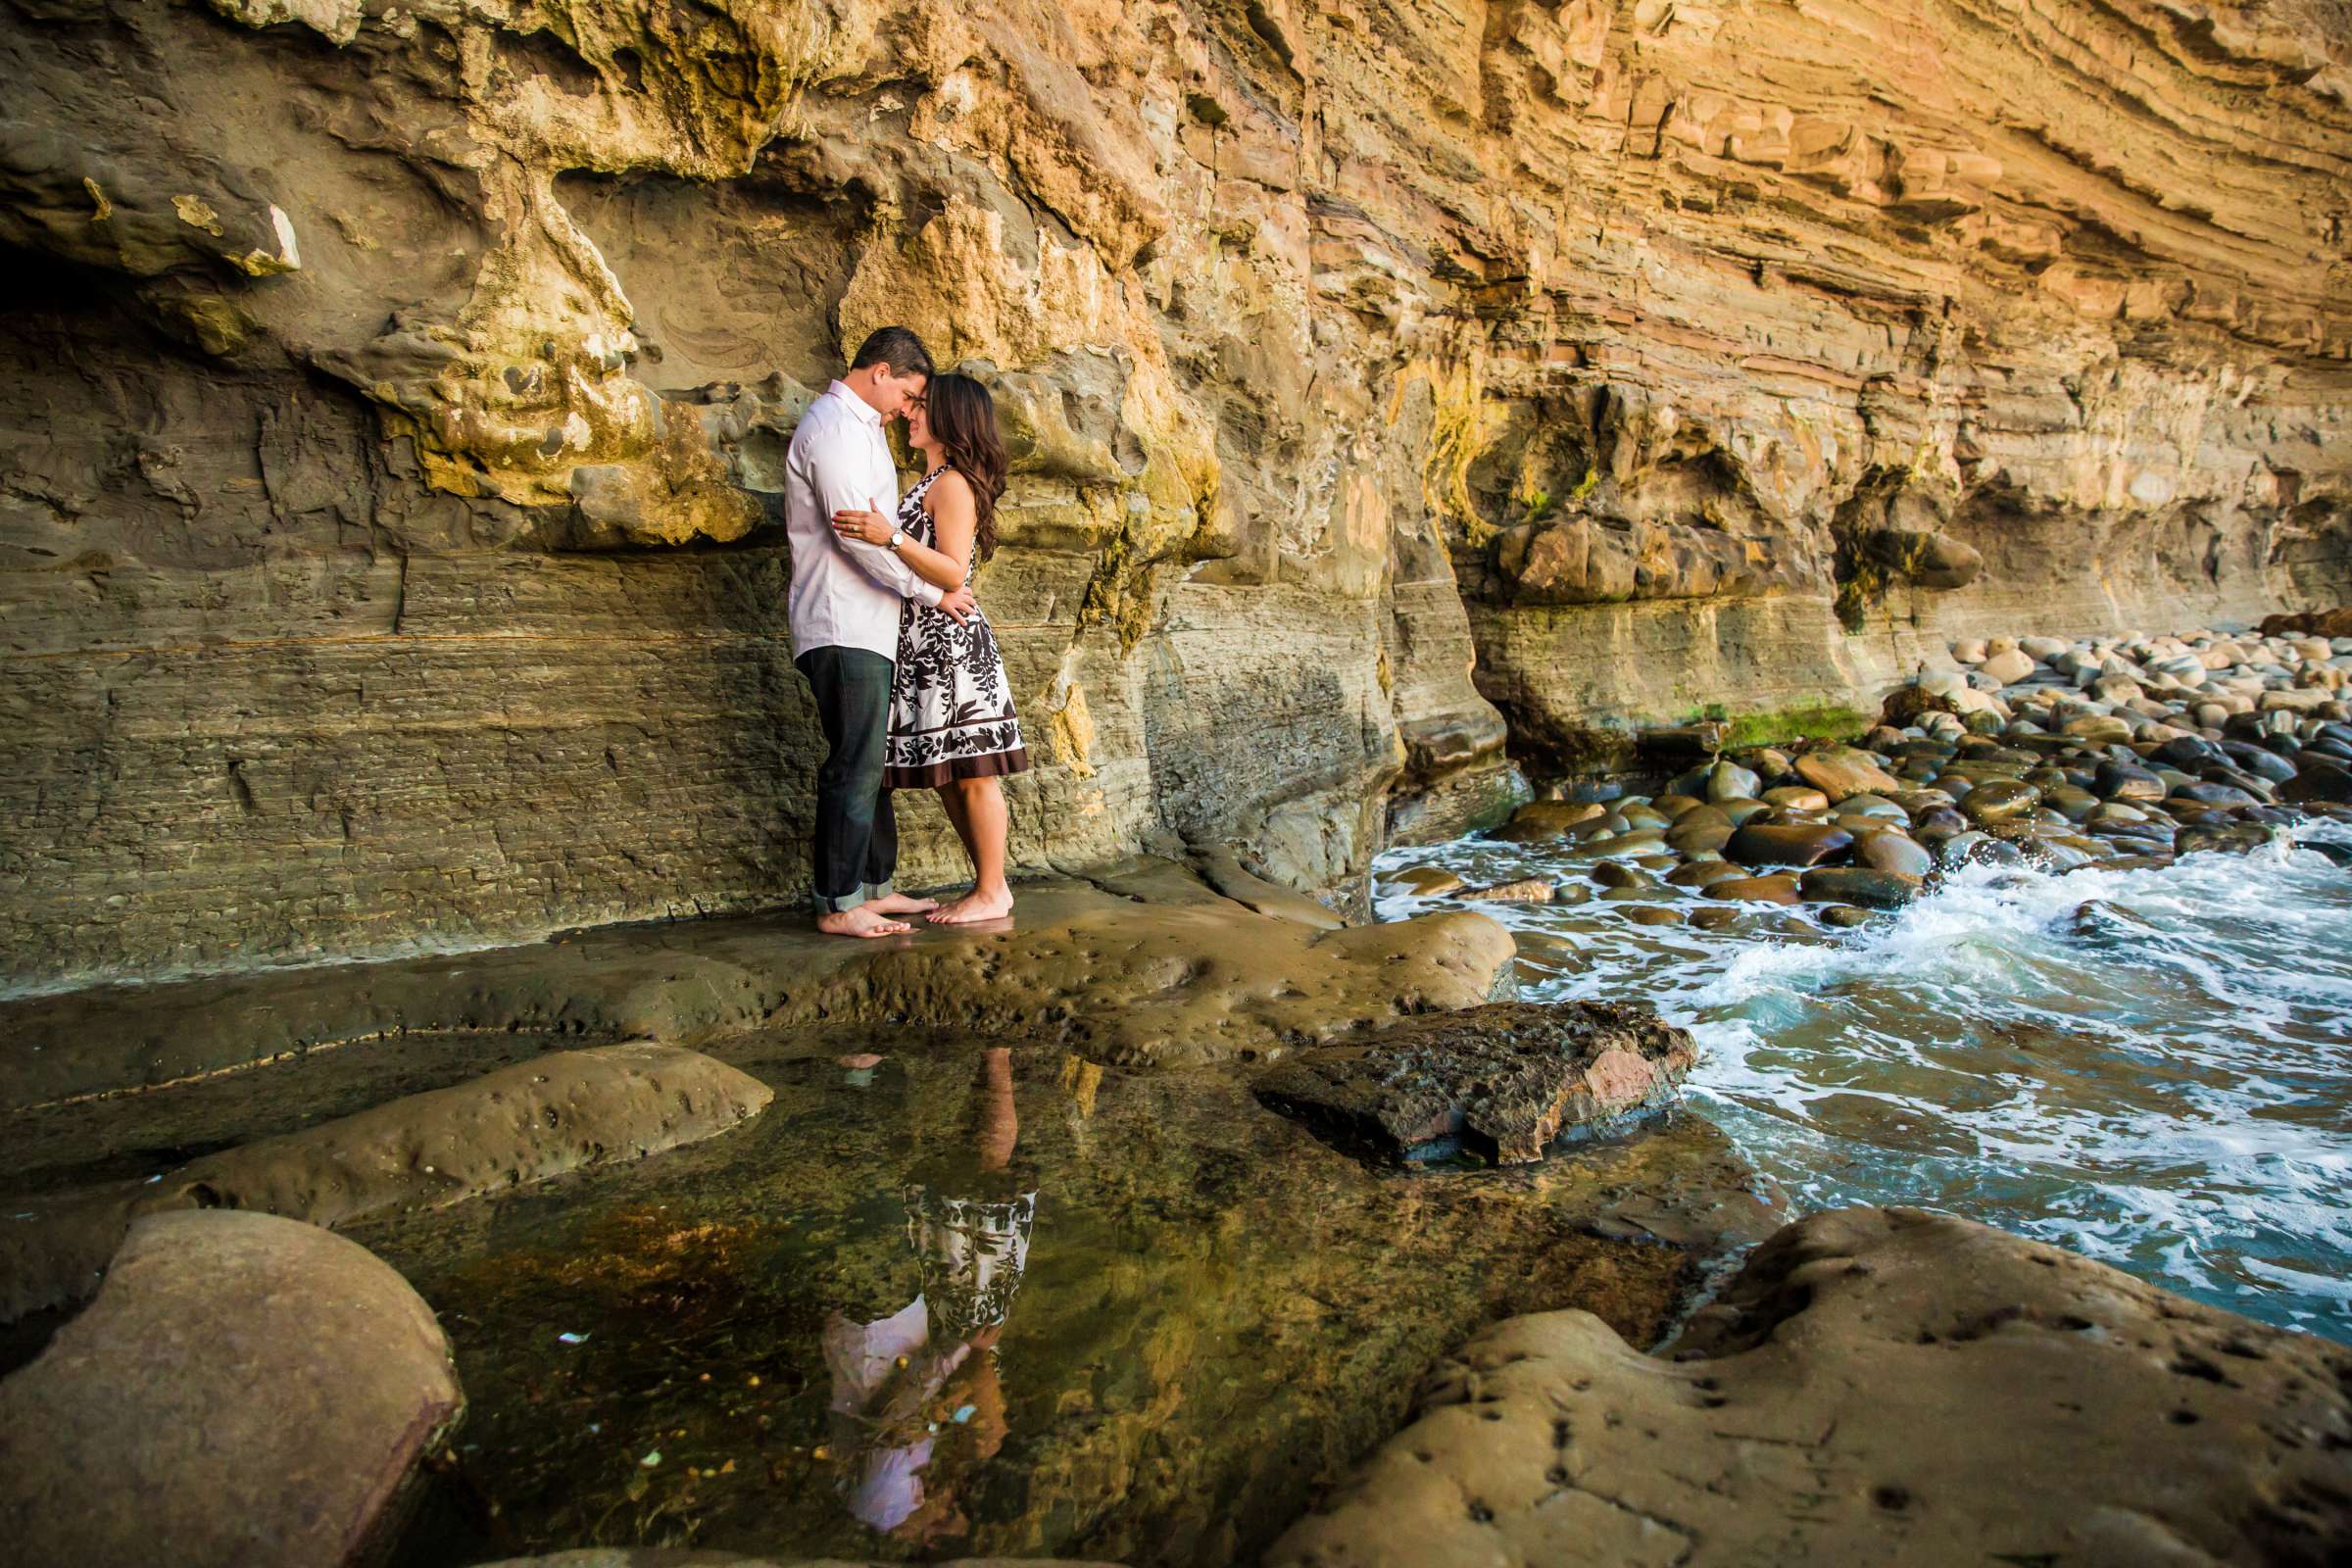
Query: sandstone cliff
394, 397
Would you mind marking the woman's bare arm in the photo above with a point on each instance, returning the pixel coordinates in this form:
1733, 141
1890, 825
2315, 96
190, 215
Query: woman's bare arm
952, 520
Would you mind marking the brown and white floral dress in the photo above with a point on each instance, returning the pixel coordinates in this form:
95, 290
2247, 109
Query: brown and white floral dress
950, 706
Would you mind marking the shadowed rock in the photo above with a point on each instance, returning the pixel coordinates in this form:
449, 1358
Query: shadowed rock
557, 1112
1786, 844
2319, 781
1500, 1081
245, 1390
1934, 1390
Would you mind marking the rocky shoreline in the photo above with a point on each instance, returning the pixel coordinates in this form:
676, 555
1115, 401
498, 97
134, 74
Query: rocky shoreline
2035, 751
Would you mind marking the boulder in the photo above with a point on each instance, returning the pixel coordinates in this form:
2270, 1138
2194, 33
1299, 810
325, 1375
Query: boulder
1755, 889
2122, 781
1876, 1386
1500, 1081
1859, 885
244, 1392
2319, 781
1527, 890
1999, 801
1729, 781
1540, 821
1893, 852
1841, 771
2309, 623
2008, 668
1786, 844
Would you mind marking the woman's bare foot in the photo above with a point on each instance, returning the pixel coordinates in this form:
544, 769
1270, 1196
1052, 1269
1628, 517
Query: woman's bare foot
900, 904
861, 922
981, 904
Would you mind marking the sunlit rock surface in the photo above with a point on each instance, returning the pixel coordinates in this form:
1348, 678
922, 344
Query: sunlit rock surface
1876, 1386
396, 399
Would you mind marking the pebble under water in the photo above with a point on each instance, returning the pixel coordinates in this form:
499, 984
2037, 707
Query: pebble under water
2172, 1096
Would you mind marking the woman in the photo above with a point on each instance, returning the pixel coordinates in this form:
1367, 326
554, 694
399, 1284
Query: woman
951, 724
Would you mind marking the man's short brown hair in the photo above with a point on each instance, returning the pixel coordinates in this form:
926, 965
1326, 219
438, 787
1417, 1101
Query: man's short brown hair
896, 347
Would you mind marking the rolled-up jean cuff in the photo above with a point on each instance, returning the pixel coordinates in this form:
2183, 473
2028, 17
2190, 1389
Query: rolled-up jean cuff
880, 890
841, 906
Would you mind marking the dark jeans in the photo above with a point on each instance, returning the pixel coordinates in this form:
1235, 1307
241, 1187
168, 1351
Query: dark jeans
856, 833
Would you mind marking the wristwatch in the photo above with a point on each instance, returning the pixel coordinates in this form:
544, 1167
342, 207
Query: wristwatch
898, 537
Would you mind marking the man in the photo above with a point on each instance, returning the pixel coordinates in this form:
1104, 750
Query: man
846, 596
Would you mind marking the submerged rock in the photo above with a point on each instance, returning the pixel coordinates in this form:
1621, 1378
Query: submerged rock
1502, 1081
2319, 781
1934, 1390
1855, 884
1539, 820
557, 1112
1427, 881
1756, 889
245, 1390
2096, 918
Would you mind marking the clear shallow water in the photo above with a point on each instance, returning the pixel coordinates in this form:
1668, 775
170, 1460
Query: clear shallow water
2176, 1101
750, 1343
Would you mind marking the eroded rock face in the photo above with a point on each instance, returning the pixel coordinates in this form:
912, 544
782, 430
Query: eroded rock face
1934, 1390
368, 370
245, 1390
1503, 1082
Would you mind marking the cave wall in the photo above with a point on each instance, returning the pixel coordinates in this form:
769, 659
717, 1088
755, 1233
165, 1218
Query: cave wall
394, 400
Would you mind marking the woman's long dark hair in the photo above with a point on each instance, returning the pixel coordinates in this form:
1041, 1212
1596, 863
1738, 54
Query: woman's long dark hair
964, 421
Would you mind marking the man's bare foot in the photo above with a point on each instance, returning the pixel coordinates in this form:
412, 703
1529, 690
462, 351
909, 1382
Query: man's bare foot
994, 903
861, 922
900, 904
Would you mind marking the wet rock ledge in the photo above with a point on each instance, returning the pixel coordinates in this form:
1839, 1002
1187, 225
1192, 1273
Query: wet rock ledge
1877, 1385
1146, 963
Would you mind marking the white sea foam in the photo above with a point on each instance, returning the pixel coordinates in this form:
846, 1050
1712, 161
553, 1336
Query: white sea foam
2176, 1101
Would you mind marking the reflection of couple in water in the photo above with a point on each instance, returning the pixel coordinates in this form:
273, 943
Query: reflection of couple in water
916, 1392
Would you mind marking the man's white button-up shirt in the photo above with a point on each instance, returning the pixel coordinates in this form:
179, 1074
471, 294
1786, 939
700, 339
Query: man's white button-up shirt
844, 592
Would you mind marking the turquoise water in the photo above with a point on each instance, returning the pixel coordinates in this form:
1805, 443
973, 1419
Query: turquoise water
2173, 1100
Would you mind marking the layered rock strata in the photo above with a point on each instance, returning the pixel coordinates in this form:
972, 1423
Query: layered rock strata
396, 400
1877, 1385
